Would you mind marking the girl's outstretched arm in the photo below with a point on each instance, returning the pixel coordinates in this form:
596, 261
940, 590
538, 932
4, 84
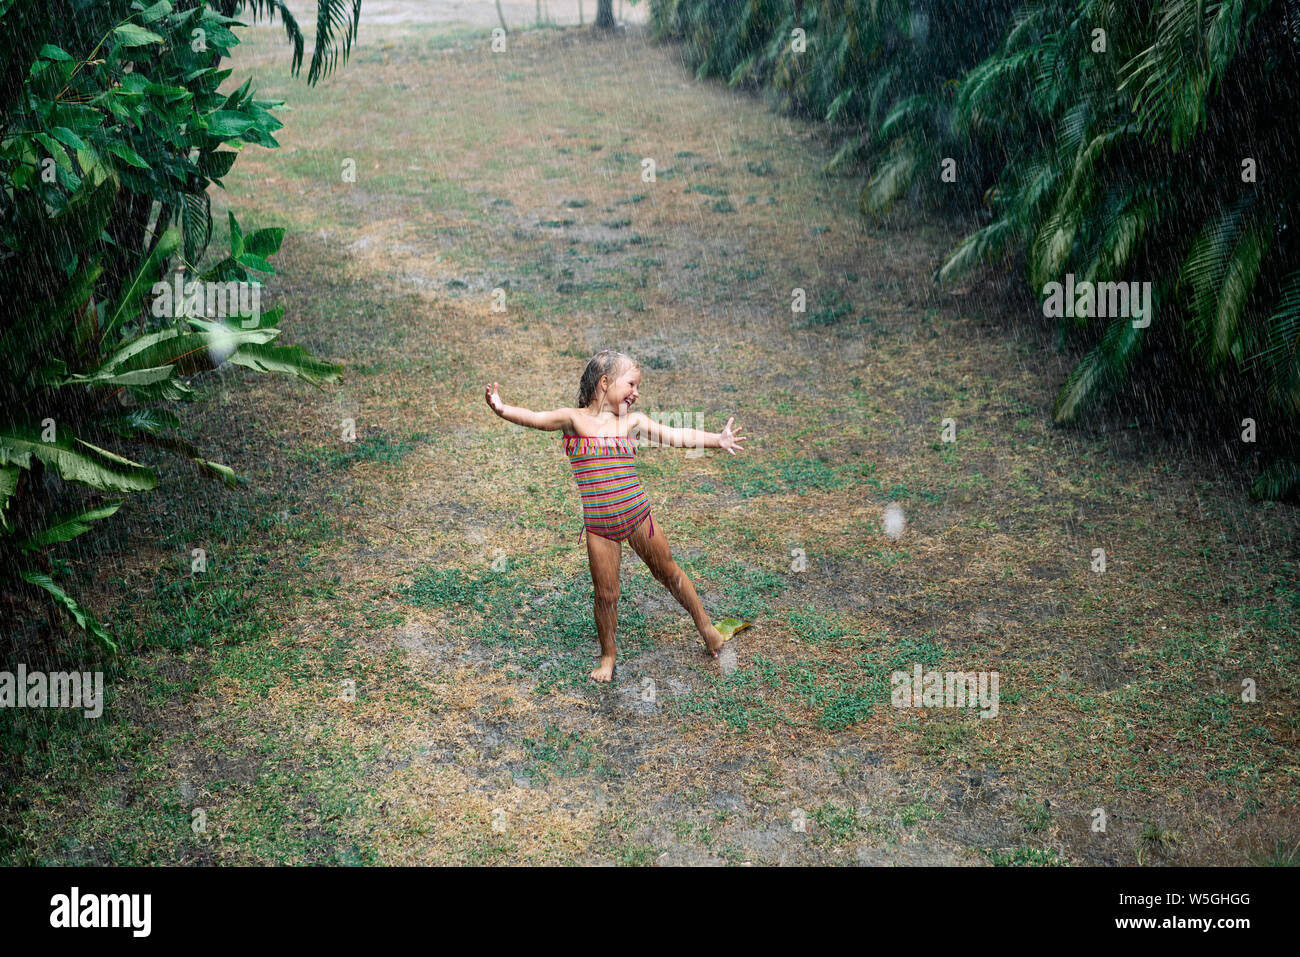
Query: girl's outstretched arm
549, 421
660, 434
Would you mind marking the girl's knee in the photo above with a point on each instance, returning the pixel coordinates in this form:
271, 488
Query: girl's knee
607, 594
669, 574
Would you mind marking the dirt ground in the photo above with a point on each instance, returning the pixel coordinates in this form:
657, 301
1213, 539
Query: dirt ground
409, 684
478, 13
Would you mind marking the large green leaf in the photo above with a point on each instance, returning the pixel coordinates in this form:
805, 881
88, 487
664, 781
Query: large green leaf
291, 360
908, 113
130, 35
82, 617
76, 460
205, 347
215, 164
133, 377
226, 124
67, 527
264, 243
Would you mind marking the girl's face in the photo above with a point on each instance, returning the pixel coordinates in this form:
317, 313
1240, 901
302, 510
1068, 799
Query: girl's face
622, 391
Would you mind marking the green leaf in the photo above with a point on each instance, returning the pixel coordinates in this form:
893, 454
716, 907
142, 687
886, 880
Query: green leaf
168, 390
128, 303
236, 234
80, 615
290, 360
87, 465
131, 35
1279, 351
980, 247
133, 377
67, 137
208, 346
1218, 277
265, 320
215, 164
227, 123
256, 263
210, 469
51, 52
264, 242
730, 627
68, 527
126, 153
889, 181
907, 113
1100, 370
155, 12
57, 152
837, 104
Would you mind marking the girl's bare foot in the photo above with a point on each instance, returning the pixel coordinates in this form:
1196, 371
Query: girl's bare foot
605, 671
713, 641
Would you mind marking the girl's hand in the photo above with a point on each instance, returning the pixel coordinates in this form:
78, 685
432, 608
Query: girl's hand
494, 400
729, 440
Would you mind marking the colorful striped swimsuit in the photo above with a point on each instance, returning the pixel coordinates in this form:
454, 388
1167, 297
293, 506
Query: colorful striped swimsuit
613, 501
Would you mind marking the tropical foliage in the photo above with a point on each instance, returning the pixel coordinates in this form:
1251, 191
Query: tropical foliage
1108, 140
111, 131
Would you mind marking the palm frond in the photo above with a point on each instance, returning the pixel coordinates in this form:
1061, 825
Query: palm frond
1280, 355
890, 181
1279, 481
1218, 276
979, 248
1100, 370
335, 31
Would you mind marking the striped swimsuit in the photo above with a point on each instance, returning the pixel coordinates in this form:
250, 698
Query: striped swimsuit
613, 501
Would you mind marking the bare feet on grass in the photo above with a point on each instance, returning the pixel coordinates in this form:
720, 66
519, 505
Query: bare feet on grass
605, 670
713, 641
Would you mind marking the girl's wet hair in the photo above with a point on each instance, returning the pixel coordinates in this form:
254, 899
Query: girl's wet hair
605, 362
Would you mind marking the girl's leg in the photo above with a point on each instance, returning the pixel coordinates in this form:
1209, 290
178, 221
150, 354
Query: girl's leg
655, 553
605, 556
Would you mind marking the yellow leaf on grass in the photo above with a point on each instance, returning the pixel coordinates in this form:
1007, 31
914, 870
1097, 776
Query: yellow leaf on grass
731, 627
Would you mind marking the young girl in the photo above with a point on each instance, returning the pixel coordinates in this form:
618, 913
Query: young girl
598, 439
